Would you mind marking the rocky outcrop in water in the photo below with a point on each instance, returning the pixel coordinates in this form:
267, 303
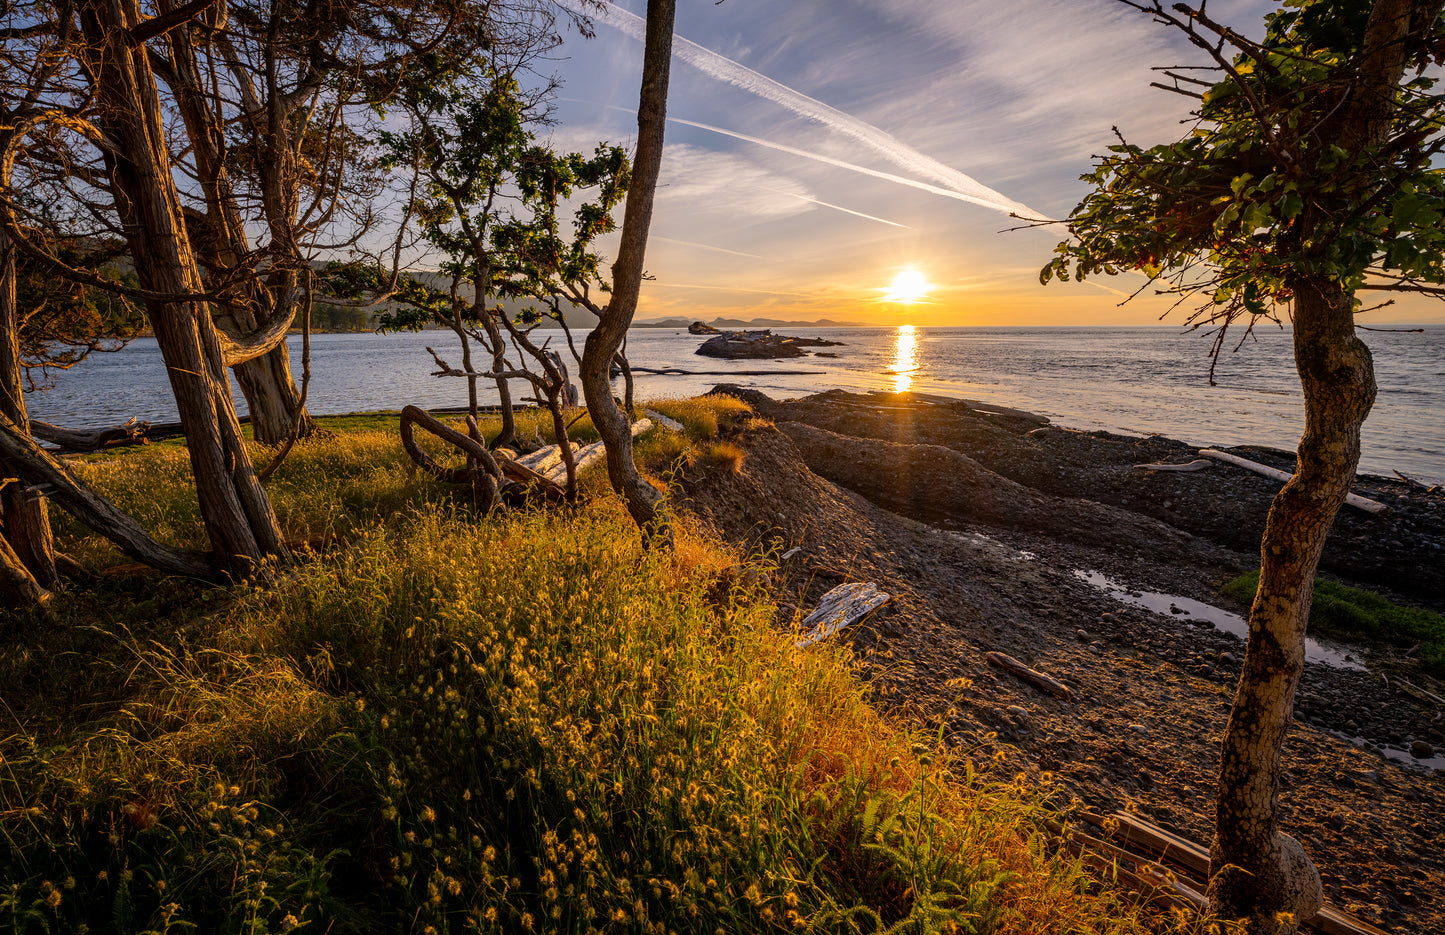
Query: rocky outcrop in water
759, 345
701, 327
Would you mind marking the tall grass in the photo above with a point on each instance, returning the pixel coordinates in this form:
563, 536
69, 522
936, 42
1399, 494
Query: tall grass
515, 723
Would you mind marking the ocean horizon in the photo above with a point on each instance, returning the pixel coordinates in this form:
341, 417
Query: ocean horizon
1138, 380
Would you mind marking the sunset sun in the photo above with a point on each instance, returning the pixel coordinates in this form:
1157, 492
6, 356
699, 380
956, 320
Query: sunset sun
908, 287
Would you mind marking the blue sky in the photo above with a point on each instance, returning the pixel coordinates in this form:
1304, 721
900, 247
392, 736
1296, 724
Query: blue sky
850, 140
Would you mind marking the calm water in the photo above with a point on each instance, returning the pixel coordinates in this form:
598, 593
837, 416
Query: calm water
1134, 380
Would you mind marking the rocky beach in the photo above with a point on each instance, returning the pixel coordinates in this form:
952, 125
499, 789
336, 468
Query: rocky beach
993, 530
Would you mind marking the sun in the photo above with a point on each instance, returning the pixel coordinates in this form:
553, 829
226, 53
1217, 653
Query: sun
908, 287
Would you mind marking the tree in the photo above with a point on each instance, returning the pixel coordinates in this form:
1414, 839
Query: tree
1308, 178
116, 108
45, 323
604, 341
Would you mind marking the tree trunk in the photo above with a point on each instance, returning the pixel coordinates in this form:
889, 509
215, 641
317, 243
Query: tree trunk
220, 241
1257, 872
27, 549
237, 514
272, 397
643, 500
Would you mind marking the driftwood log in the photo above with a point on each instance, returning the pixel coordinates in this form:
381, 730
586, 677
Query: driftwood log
132, 432
482, 472
587, 455
841, 607
1034, 677
1354, 500
1145, 845
1198, 464
672, 425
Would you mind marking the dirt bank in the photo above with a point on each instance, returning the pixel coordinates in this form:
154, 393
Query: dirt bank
1152, 692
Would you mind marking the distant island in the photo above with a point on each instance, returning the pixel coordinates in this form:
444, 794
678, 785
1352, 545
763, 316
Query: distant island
736, 323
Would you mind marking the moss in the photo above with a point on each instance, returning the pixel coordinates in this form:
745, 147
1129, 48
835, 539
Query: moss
1352, 613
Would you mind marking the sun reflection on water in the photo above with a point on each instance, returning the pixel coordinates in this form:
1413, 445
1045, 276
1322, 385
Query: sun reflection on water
905, 358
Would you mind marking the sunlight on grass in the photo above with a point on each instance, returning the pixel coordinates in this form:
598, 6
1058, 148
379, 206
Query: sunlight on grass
454, 722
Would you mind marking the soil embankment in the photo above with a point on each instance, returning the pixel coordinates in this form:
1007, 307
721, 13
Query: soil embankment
1012, 510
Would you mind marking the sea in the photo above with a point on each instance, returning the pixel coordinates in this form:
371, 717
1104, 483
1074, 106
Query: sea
1134, 381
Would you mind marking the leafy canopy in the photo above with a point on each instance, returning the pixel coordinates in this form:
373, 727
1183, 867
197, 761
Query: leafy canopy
491, 198
1260, 194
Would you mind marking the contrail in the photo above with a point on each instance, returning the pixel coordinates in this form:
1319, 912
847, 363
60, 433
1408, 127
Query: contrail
811, 200
703, 246
829, 160
740, 76
686, 285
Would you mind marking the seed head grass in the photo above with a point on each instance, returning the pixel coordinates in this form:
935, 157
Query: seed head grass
450, 722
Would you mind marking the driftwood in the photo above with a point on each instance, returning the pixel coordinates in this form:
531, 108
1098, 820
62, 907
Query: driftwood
132, 432
39, 469
679, 372
1034, 677
589, 454
841, 607
1362, 503
1145, 842
483, 475
672, 425
1197, 464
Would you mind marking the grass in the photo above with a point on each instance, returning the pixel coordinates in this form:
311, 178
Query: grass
1343, 611
451, 722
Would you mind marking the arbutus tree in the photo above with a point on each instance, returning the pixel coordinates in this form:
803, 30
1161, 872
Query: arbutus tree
1309, 177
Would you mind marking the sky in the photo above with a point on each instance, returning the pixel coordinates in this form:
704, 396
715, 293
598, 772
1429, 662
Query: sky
817, 149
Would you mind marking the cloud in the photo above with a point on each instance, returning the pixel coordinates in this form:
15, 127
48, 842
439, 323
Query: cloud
889, 147
722, 190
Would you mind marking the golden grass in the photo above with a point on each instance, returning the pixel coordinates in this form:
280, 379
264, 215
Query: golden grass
524, 722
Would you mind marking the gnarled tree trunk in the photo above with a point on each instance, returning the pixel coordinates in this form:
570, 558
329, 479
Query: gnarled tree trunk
236, 511
643, 500
27, 549
1257, 872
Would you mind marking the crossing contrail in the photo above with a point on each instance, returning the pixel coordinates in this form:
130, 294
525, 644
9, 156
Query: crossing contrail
703, 246
814, 201
945, 178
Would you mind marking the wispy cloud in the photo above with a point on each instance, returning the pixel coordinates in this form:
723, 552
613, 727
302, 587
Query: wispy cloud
715, 288
1023, 210
703, 246
947, 179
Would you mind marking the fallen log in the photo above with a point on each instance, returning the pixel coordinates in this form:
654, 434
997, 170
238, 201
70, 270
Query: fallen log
1034, 677
1354, 500
588, 454
483, 478
841, 607
1197, 464
1193, 860
133, 432
672, 425
679, 372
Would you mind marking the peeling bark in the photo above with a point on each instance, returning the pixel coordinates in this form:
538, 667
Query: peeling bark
643, 500
237, 514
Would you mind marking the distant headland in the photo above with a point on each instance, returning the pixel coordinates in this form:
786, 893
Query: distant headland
736, 323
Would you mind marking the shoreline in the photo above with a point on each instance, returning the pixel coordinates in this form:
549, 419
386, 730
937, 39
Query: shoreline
979, 531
